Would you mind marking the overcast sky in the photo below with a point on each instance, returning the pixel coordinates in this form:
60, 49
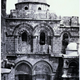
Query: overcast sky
60, 7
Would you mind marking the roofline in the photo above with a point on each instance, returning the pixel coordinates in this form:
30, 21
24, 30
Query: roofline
33, 19
32, 3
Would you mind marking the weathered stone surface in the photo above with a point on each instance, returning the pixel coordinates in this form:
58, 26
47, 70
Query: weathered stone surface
37, 56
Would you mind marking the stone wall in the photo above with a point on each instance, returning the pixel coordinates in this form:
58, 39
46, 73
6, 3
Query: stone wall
56, 44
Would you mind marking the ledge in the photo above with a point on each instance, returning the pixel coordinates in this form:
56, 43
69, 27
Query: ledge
30, 19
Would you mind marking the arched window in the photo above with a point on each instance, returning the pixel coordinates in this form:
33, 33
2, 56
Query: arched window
42, 38
26, 8
24, 36
39, 8
65, 42
73, 69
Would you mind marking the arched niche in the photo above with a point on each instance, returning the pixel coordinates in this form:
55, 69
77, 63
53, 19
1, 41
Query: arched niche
21, 27
42, 70
23, 71
23, 38
65, 41
73, 68
43, 37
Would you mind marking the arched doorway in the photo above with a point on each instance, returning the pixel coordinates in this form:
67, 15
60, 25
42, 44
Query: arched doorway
41, 71
23, 72
73, 70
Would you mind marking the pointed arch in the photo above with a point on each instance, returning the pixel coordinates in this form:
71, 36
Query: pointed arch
23, 64
43, 35
41, 65
43, 26
19, 29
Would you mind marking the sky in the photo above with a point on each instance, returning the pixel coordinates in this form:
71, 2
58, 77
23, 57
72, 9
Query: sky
60, 7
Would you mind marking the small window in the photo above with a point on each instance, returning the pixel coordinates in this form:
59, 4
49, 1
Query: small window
42, 38
65, 40
39, 8
24, 37
64, 43
26, 8
65, 36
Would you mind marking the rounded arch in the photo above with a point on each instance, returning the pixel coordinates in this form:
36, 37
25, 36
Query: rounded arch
23, 67
45, 27
42, 66
73, 61
24, 36
69, 35
19, 29
73, 68
65, 37
23, 61
39, 8
26, 8
42, 38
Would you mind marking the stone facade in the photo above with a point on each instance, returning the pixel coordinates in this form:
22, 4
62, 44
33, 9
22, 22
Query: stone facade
36, 42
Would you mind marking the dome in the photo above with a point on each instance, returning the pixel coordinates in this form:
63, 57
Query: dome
72, 46
42, 1
72, 49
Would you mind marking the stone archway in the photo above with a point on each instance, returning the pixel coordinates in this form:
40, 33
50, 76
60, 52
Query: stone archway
22, 46
23, 72
73, 70
46, 46
42, 71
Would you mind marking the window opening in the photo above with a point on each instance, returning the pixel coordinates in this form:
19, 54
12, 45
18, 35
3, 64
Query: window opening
39, 8
24, 37
26, 8
42, 38
64, 43
65, 39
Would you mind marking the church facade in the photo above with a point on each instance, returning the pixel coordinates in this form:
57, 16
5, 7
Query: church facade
37, 44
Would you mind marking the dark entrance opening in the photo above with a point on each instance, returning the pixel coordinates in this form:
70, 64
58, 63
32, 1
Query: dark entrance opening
65, 42
42, 77
42, 38
23, 72
24, 77
24, 36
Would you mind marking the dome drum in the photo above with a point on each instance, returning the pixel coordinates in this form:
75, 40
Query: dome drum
43, 1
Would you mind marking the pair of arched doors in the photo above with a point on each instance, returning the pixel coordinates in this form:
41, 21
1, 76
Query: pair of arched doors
40, 71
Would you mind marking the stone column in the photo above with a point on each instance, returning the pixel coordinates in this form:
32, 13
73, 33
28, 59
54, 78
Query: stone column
33, 77
52, 76
51, 44
35, 44
16, 43
12, 74
65, 70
